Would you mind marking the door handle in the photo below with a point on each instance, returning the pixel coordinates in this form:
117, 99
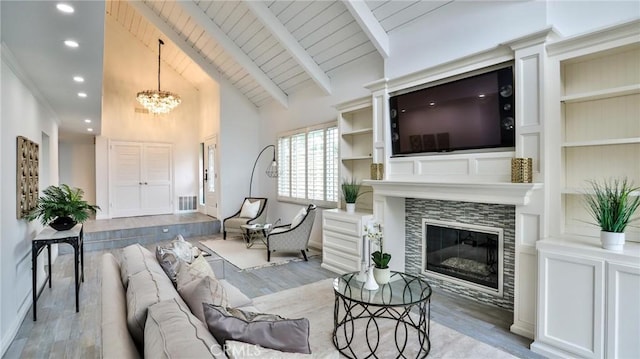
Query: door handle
206, 174
140, 183
146, 183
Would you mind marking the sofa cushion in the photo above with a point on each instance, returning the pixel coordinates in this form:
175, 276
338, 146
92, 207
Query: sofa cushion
116, 341
171, 331
267, 330
145, 289
203, 290
135, 259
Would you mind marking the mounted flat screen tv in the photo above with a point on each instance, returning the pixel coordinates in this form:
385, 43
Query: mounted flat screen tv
473, 113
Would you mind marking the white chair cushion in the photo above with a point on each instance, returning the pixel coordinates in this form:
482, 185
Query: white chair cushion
249, 209
299, 217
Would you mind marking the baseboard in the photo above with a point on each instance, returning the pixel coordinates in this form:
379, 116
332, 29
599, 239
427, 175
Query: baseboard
8, 338
522, 331
550, 351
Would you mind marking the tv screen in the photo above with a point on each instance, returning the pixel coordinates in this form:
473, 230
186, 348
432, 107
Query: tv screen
472, 113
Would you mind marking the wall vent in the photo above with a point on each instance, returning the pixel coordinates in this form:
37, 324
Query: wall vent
187, 203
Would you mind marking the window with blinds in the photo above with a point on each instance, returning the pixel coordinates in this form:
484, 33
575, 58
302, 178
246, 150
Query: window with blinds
308, 165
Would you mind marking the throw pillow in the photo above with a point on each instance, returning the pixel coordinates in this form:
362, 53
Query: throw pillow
203, 290
267, 330
299, 217
187, 273
249, 209
168, 261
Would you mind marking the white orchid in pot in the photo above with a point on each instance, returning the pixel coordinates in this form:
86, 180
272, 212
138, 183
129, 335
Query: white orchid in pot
381, 272
612, 204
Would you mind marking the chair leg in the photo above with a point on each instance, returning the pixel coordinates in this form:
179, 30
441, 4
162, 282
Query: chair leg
224, 235
304, 255
268, 255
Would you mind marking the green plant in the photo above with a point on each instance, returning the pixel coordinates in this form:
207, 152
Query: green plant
61, 201
373, 232
611, 204
351, 190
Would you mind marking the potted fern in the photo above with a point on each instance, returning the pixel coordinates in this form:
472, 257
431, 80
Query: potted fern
612, 203
350, 193
62, 207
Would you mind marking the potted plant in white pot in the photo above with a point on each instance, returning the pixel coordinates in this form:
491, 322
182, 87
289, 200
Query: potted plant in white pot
381, 271
612, 204
350, 193
61, 207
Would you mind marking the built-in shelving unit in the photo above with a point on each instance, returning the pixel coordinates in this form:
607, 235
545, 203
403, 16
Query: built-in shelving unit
355, 125
600, 128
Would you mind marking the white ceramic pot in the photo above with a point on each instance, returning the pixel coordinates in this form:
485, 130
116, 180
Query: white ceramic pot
351, 207
612, 241
382, 276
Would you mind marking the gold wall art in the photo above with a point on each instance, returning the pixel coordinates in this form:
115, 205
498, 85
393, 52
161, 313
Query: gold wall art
26, 176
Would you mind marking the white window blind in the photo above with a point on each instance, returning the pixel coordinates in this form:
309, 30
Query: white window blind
308, 165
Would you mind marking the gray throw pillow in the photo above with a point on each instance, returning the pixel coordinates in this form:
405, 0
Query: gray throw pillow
168, 261
267, 330
203, 290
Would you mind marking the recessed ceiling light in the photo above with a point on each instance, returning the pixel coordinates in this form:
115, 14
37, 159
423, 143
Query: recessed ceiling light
78, 78
71, 43
90, 129
481, 95
87, 120
66, 8
432, 103
82, 94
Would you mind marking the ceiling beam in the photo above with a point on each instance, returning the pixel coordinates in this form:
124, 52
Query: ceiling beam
202, 19
166, 29
291, 45
370, 25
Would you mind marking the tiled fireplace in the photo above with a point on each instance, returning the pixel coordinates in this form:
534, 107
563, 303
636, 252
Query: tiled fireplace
463, 247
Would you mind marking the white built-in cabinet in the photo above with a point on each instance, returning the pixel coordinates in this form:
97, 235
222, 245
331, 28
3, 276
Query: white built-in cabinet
588, 300
355, 127
599, 125
140, 178
342, 240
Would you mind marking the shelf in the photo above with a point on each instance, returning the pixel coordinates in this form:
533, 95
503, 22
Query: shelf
363, 131
356, 158
605, 142
602, 94
581, 191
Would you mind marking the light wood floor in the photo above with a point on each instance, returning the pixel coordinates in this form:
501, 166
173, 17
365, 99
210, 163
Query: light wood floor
62, 333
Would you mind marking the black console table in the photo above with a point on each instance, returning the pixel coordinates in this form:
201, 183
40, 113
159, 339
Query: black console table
49, 236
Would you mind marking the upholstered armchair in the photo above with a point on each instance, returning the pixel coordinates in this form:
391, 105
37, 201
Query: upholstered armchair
292, 237
247, 214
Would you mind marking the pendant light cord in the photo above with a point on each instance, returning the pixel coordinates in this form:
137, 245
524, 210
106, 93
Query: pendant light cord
160, 43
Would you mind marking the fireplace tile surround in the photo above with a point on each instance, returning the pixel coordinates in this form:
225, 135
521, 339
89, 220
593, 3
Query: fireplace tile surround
493, 215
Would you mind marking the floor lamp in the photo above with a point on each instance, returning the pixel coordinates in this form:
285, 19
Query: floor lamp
272, 170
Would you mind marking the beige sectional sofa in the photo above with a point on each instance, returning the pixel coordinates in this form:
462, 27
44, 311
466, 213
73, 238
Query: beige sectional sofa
142, 312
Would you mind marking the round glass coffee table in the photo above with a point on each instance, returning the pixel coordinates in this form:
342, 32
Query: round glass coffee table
368, 324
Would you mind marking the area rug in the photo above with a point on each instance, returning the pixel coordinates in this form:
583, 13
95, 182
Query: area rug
235, 251
316, 301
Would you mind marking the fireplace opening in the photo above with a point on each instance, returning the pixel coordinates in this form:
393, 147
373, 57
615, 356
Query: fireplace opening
468, 254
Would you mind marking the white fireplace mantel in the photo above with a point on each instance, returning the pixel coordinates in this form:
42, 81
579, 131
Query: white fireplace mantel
499, 193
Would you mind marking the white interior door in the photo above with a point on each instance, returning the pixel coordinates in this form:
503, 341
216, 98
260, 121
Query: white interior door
211, 178
140, 179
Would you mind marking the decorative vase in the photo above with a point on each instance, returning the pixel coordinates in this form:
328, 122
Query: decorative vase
381, 275
612, 241
63, 223
351, 207
370, 284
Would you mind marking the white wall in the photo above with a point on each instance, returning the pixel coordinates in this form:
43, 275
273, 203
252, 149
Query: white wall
124, 76
575, 17
22, 114
77, 167
239, 143
307, 107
